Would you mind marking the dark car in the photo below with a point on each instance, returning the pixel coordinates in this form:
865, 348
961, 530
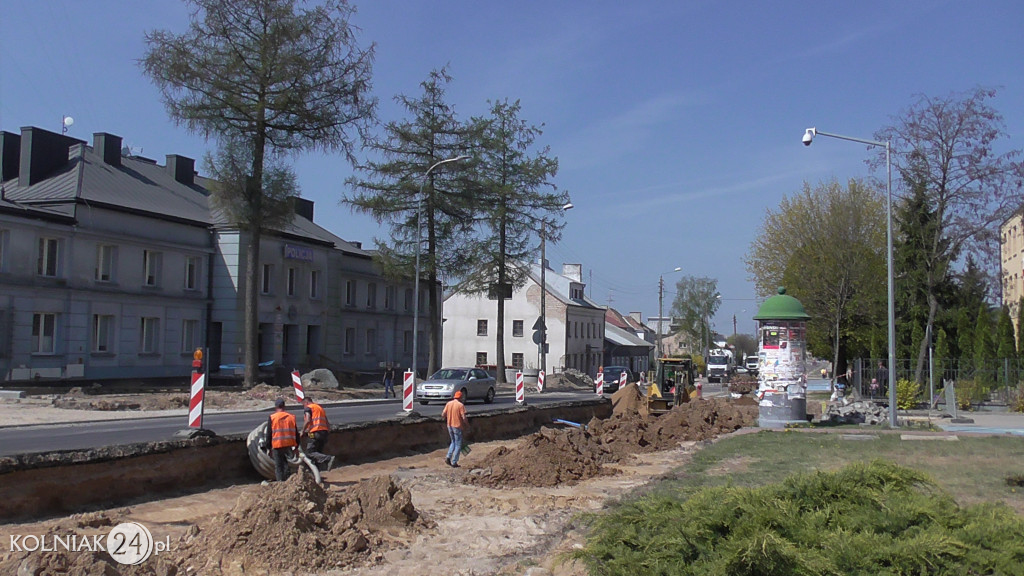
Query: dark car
611, 378
474, 383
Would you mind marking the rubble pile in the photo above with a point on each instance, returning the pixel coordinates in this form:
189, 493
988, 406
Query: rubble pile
859, 412
557, 456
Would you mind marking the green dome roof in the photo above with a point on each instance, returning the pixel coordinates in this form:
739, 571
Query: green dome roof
782, 307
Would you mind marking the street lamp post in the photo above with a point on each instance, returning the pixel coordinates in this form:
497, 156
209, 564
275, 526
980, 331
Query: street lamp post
809, 135
544, 295
661, 298
416, 281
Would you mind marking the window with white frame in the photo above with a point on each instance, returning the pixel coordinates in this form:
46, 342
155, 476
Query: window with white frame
517, 328
371, 295
44, 333
192, 266
314, 285
350, 292
149, 335
350, 340
189, 335
371, 340
481, 358
267, 279
481, 327
105, 256
517, 360
293, 277
102, 333
389, 297
151, 261
49, 257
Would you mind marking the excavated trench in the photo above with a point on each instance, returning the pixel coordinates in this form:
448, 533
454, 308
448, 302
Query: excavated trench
34, 486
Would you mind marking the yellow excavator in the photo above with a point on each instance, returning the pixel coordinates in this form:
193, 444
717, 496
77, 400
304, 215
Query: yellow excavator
671, 386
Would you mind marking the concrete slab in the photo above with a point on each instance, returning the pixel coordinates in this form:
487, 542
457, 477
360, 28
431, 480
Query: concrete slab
929, 437
858, 437
11, 394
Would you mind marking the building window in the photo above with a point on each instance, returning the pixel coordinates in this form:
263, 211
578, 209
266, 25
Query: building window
314, 285
389, 297
481, 358
267, 280
150, 336
102, 333
350, 340
517, 328
49, 255
44, 331
481, 327
517, 360
105, 254
151, 267
350, 293
192, 264
408, 299
371, 295
189, 335
407, 342
371, 340
292, 281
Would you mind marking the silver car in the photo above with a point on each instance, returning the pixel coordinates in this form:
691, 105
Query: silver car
474, 383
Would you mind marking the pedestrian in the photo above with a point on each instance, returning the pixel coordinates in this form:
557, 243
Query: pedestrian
315, 427
389, 381
454, 414
284, 439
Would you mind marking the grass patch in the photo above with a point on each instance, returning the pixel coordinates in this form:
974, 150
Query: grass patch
864, 518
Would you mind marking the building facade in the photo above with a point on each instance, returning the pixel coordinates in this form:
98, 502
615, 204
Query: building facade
575, 326
1011, 263
114, 267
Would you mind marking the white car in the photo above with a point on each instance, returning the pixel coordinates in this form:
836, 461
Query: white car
474, 383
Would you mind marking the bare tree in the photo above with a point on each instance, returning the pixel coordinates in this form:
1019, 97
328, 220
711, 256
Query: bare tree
263, 78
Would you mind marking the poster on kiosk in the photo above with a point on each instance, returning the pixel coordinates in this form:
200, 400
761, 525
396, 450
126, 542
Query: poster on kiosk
782, 355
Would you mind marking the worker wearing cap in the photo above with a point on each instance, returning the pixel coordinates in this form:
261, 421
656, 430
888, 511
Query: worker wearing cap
315, 427
284, 439
454, 414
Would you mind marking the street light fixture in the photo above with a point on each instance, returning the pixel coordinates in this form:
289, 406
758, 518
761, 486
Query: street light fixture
809, 135
416, 282
544, 296
661, 298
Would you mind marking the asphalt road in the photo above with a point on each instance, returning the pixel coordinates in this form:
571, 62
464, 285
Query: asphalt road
86, 435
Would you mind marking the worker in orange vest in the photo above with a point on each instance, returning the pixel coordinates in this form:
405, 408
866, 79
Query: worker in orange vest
284, 439
315, 428
454, 414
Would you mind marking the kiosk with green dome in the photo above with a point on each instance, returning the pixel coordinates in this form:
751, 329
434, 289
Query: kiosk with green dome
782, 360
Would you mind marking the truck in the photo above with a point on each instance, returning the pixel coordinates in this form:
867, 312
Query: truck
720, 365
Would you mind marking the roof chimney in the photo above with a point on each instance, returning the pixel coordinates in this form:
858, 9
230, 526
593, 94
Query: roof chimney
182, 168
10, 155
108, 147
573, 271
42, 153
304, 208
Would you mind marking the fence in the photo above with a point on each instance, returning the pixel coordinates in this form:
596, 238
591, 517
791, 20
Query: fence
997, 380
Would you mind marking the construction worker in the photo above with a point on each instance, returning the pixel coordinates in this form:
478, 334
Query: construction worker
315, 428
284, 439
454, 414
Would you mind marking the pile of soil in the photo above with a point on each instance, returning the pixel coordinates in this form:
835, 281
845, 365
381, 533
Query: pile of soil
568, 456
280, 527
297, 525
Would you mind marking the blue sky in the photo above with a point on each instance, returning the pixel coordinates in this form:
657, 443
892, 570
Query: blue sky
676, 124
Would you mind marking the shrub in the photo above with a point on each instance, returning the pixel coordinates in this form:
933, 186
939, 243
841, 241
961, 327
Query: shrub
1016, 400
969, 393
907, 394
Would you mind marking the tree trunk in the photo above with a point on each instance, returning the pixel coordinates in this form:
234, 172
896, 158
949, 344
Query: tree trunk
922, 353
500, 323
251, 310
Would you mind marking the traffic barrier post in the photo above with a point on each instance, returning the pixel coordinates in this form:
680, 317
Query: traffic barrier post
297, 384
407, 390
195, 404
520, 392
622, 379
599, 382
540, 381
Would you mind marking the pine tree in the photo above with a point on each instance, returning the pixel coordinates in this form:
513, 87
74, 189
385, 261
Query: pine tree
965, 339
984, 347
1006, 348
1020, 328
941, 355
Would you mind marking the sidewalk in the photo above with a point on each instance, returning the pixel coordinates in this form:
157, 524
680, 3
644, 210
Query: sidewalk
986, 423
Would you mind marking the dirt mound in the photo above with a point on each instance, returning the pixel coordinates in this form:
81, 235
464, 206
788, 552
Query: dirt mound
297, 525
554, 457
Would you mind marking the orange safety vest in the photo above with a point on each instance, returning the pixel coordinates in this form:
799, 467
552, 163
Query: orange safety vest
282, 426
318, 422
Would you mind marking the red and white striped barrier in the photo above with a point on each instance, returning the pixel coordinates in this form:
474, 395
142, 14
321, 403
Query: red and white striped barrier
622, 379
520, 392
297, 383
540, 381
407, 390
700, 389
600, 383
195, 405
